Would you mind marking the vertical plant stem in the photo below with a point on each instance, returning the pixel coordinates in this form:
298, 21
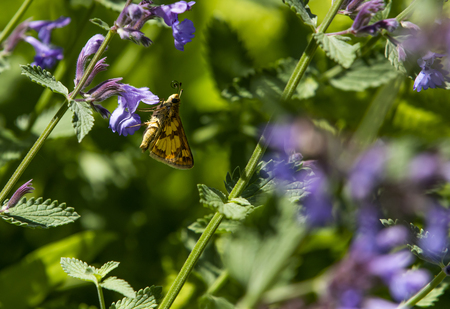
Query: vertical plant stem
59, 114
15, 20
101, 299
249, 170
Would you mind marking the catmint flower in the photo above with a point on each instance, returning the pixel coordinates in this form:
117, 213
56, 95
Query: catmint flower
435, 243
124, 120
46, 55
432, 75
367, 10
45, 27
406, 284
15, 198
104, 90
16, 36
91, 47
183, 33
378, 303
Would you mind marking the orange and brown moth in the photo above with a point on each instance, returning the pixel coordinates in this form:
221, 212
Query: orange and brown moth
164, 136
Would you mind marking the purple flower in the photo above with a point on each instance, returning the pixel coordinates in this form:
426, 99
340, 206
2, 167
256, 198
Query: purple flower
392, 237
182, 32
406, 284
435, 243
368, 172
16, 36
378, 303
432, 75
17, 196
91, 47
46, 56
124, 120
387, 265
45, 27
104, 90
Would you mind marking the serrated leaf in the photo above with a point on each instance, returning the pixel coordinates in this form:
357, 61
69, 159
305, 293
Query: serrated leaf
226, 226
44, 78
388, 222
79, 269
145, 299
433, 296
302, 10
217, 201
212, 302
100, 23
35, 213
391, 53
227, 55
82, 119
365, 74
337, 49
118, 285
107, 267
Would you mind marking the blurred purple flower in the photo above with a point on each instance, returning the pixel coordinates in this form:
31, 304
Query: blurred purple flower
350, 7
45, 27
46, 56
124, 120
378, 303
91, 47
386, 266
406, 284
432, 75
368, 172
16, 36
435, 243
366, 11
391, 237
17, 196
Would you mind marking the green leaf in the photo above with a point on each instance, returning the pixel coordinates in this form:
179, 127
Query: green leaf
81, 3
37, 214
267, 84
112, 5
118, 285
365, 73
145, 299
336, 48
212, 302
226, 54
302, 10
79, 269
82, 119
388, 222
391, 54
226, 226
4, 62
44, 78
236, 209
107, 267
433, 296
100, 23
39, 273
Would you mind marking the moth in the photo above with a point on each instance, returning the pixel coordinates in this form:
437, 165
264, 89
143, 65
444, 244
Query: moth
164, 136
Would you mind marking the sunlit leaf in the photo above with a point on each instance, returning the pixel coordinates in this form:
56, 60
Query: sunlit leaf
44, 78
145, 299
337, 49
82, 119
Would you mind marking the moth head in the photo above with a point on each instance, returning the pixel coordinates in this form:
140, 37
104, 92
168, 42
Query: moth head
174, 98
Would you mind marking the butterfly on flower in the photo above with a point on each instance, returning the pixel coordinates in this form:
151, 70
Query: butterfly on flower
164, 136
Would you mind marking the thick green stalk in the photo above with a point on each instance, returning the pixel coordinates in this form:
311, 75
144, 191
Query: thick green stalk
59, 114
15, 20
101, 299
238, 189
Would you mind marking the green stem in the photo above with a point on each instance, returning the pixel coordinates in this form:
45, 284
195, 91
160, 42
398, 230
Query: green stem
218, 283
250, 169
59, 114
424, 291
408, 11
101, 299
15, 20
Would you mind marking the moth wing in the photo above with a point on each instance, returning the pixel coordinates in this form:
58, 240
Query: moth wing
171, 146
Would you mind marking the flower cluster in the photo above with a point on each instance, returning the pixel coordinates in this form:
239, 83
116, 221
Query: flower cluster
47, 55
134, 16
123, 120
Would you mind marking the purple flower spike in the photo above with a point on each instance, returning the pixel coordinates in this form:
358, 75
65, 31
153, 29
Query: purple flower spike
366, 12
45, 27
432, 75
46, 56
404, 285
16, 36
170, 12
91, 47
17, 196
104, 90
124, 120
183, 33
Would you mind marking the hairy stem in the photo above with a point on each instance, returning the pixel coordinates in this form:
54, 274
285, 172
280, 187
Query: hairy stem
15, 20
59, 114
101, 299
249, 170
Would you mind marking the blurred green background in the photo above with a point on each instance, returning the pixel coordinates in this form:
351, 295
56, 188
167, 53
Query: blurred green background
134, 209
